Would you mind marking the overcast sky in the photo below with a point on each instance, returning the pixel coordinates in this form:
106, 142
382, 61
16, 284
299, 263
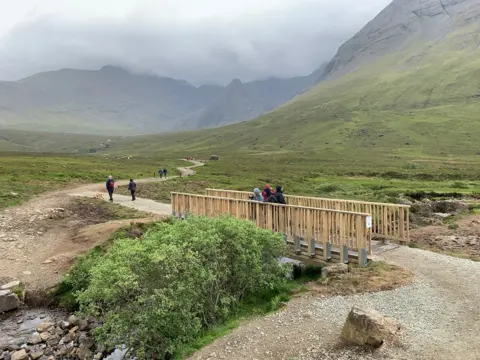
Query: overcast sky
202, 41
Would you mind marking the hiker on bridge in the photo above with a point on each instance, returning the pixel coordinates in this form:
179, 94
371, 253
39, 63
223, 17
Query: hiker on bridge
132, 187
269, 195
280, 199
110, 185
264, 192
256, 195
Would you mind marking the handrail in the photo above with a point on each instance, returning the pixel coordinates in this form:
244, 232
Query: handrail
312, 197
388, 220
319, 228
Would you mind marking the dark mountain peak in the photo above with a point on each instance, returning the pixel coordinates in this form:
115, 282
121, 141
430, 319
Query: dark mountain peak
235, 83
114, 69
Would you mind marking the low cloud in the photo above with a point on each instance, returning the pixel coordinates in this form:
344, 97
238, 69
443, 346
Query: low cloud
290, 39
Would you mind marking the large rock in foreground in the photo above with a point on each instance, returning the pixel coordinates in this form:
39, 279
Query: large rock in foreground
8, 301
369, 327
17, 287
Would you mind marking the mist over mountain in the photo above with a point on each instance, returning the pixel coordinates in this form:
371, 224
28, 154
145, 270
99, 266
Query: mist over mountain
114, 101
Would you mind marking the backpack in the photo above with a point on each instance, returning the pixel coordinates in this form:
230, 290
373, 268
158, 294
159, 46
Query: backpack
272, 199
111, 184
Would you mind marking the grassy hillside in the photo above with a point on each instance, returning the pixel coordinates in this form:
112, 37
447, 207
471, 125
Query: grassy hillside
27, 141
417, 106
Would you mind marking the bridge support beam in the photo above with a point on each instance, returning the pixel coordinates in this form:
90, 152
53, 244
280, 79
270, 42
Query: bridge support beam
298, 245
328, 250
345, 254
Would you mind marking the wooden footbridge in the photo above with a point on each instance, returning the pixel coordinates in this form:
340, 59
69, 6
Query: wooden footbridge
315, 228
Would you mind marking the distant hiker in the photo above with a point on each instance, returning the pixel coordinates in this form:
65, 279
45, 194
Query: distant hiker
160, 173
256, 195
264, 193
110, 185
132, 186
279, 195
270, 195
165, 173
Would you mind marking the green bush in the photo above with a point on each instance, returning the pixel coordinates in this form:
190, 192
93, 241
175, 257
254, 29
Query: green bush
183, 277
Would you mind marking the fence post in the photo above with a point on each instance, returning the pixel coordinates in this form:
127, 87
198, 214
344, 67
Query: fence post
401, 224
361, 237
341, 224
309, 235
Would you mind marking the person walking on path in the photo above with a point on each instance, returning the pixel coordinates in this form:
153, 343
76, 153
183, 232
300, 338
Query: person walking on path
165, 172
160, 173
132, 186
110, 185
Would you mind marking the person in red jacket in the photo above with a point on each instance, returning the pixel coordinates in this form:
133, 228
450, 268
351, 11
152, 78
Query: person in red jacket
264, 192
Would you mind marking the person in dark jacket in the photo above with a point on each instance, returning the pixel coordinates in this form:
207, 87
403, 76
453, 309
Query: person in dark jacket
110, 185
279, 195
160, 173
270, 197
132, 186
165, 172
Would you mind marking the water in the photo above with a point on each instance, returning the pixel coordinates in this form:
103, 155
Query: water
17, 326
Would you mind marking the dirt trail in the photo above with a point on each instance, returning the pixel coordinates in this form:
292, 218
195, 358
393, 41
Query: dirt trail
40, 239
146, 205
439, 314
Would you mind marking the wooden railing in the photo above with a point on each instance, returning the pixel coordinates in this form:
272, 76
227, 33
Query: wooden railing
388, 220
331, 234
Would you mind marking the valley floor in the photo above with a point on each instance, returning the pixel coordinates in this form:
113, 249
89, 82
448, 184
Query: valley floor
439, 311
40, 240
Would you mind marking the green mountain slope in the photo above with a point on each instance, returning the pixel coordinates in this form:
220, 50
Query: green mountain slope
419, 99
44, 142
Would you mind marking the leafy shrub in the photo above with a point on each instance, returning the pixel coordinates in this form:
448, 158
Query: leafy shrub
459, 185
78, 278
183, 277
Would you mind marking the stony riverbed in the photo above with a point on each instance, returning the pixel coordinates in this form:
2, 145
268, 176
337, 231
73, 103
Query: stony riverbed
31, 334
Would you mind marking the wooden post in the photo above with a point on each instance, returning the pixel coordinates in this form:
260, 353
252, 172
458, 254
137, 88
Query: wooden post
361, 227
401, 223
341, 224
309, 234
408, 225
325, 232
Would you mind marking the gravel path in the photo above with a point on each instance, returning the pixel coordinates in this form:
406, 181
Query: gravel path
37, 246
146, 205
439, 314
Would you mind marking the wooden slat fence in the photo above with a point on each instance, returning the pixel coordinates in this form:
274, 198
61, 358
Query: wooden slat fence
322, 232
388, 220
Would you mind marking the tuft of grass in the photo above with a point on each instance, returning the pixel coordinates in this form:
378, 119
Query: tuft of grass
108, 210
376, 276
453, 226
